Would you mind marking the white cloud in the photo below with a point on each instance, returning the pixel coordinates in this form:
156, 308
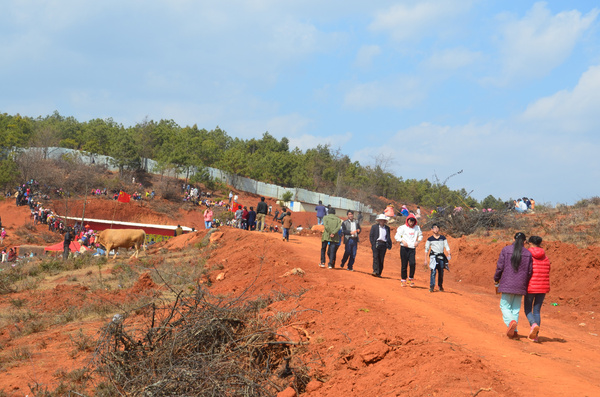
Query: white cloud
539, 42
570, 111
398, 92
453, 58
365, 55
405, 22
307, 141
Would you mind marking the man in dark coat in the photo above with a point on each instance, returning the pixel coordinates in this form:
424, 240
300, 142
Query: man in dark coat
380, 242
67, 243
261, 212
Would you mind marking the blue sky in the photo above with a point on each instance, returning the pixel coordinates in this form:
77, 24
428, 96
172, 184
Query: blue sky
507, 91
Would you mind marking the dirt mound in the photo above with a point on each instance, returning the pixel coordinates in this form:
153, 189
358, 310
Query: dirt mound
144, 284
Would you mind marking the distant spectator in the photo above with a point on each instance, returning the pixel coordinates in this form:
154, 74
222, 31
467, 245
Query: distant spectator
208, 218
68, 238
404, 211
287, 224
321, 211
389, 211
178, 231
261, 212
251, 225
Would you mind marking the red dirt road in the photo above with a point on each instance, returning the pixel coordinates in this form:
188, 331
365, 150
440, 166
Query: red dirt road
358, 310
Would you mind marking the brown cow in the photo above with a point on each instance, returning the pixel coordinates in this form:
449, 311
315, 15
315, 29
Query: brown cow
124, 238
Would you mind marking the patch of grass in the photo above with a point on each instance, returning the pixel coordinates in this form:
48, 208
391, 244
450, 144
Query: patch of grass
25, 233
99, 308
80, 375
52, 266
26, 322
125, 274
18, 302
36, 325
71, 314
19, 354
82, 343
105, 389
180, 274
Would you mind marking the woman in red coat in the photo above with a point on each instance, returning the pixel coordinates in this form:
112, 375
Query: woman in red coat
539, 286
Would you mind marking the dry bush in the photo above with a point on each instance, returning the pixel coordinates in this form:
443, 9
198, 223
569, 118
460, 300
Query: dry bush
82, 343
169, 189
594, 201
199, 345
463, 223
25, 233
579, 224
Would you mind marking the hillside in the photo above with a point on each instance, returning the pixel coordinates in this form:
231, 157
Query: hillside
356, 334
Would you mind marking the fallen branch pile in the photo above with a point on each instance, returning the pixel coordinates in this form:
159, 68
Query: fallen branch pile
202, 346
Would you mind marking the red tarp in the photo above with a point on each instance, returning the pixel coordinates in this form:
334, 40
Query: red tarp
74, 247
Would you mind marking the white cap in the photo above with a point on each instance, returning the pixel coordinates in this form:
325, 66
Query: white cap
381, 217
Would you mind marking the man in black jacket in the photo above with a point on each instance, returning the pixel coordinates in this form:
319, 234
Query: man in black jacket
67, 243
350, 230
261, 212
380, 241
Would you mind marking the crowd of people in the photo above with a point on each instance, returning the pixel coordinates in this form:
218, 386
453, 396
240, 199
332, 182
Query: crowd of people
248, 218
29, 194
524, 205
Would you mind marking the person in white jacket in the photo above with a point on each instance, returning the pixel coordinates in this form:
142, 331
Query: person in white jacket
409, 236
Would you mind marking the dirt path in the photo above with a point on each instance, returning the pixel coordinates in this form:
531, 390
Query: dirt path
566, 362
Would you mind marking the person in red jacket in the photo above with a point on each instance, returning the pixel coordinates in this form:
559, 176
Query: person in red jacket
539, 286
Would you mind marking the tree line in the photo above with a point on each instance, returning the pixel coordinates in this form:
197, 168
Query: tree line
189, 149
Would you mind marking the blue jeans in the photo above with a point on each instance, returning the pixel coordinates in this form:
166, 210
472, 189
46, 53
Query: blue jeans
286, 234
207, 224
532, 305
439, 267
350, 253
319, 220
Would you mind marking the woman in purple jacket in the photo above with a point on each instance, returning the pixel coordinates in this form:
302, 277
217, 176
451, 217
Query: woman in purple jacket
513, 272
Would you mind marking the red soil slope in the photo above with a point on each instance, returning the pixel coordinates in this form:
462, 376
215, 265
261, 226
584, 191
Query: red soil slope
371, 337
